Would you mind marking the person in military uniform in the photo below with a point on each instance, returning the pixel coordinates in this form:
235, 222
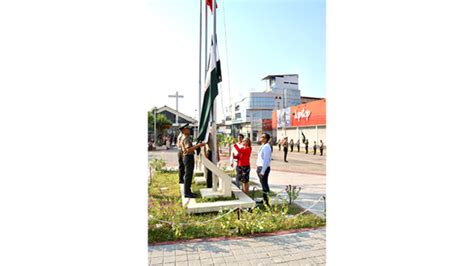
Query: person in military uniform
306, 143
285, 149
291, 145
187, 150
321, 147
298, 145
315, 147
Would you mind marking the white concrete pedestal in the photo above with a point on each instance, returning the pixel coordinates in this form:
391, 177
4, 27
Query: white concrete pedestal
243, 201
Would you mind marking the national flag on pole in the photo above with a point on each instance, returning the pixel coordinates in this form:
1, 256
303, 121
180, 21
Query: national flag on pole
209, 4
213, 77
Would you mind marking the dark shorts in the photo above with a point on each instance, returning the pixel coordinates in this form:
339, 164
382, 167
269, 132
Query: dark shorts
243, 173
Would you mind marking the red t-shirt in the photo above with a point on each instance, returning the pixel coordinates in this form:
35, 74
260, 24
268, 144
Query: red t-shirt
243, 156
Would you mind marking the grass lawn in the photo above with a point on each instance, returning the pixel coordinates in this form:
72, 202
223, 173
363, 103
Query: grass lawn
168, 220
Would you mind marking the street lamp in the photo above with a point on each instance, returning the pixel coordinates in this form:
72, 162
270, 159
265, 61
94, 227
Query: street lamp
154, 127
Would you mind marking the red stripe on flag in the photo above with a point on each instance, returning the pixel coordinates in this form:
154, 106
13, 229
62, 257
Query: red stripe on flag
209, 4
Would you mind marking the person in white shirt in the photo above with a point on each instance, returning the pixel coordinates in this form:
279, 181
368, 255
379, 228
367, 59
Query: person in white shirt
263, 165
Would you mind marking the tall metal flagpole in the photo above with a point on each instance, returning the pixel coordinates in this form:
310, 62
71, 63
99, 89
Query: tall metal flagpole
205, 61
205, 44
214, 118
200, 63
200, 50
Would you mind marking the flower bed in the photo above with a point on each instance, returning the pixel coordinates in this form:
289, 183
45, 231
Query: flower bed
168, 219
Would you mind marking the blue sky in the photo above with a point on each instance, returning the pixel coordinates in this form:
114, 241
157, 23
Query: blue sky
263, 37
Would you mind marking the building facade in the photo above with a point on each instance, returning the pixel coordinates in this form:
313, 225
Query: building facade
306, 99
285, 89
252, 115
308, 119
172, 114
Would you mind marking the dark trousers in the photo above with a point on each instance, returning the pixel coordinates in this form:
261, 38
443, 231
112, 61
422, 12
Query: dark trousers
180, 168
298, 148
306, 148
321, 149
285, 153
291, 148
279, 147
314, 150
188, 172
208, 172
264, 182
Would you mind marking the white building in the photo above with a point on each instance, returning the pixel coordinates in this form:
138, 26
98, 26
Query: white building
252, 115
285, 88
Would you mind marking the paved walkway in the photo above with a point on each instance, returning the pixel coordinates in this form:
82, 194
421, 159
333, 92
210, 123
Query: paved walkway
302, 248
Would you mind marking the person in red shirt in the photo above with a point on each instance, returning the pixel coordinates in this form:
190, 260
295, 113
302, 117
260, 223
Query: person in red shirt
243, 163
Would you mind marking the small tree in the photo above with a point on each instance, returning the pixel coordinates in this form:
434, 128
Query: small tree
162, 123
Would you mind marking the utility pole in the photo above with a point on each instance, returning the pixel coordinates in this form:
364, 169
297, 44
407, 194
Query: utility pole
154, 127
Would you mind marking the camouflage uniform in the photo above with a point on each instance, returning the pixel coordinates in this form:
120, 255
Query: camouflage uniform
188, 161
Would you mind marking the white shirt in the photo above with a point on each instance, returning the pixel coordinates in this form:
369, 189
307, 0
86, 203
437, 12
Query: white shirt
264, 157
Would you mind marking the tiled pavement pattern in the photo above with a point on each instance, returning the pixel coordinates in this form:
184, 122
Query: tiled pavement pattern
303, 248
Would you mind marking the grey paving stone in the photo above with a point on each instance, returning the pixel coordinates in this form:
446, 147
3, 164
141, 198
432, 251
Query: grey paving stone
218, 261
278, 259
168, 253
192, 257
206, 261
194, 263
204, 255
169, 264
263, 262
180, 252
217, 255
261, 255
169, 259
181, 258
156, 260
293, 263
156, 253
230, 259
306, 263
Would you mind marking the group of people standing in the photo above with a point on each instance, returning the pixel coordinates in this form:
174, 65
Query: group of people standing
241, 155
285, 144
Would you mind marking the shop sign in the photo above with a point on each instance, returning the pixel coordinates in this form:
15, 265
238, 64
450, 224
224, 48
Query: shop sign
302, 114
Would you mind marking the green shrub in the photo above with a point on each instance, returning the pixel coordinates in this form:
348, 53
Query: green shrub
158, 165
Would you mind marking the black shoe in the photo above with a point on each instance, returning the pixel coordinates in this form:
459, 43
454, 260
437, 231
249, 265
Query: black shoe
191, 196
